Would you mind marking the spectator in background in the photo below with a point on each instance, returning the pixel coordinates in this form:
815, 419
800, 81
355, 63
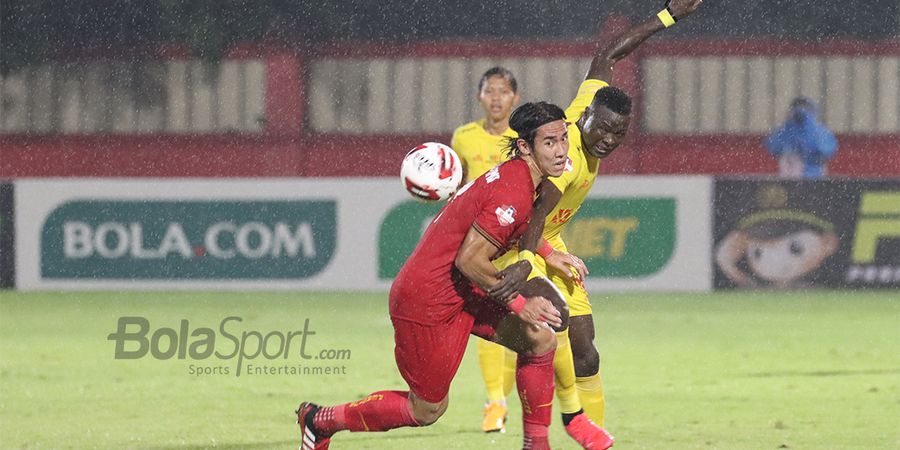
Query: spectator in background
802, 145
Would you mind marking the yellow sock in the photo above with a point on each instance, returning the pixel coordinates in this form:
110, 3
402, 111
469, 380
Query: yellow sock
564, 374
590, 391
491, 359
509, 371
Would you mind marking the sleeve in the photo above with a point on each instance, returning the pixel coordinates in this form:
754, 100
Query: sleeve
505, 212
584, 98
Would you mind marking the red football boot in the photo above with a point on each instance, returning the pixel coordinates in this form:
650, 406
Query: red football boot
587, 433
310, 440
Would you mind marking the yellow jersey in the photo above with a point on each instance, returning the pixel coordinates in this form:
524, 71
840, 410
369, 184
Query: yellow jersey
581, 169
479, 150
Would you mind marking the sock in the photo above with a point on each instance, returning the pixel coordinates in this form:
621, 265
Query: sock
380, 411
568, 417
534, 380
509, 371
490, 358
590, 392
564, 371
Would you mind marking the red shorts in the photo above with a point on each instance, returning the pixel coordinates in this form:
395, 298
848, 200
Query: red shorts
429, 355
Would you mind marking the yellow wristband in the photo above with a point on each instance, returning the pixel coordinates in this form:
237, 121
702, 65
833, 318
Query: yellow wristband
666, 17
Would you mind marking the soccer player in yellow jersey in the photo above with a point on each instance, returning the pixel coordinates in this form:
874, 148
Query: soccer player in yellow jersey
598, 120
481, 145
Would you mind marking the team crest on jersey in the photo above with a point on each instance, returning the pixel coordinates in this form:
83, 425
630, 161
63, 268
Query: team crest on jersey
506, 215
569, 165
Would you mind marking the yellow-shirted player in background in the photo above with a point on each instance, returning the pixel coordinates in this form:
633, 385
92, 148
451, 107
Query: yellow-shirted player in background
481, 146
599, 117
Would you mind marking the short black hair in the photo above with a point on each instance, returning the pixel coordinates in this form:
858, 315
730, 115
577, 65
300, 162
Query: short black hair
613, 98
525, 121
501, 71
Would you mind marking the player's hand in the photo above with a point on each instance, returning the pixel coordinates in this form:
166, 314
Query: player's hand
512, 279
683, 8
539, 311
568, 264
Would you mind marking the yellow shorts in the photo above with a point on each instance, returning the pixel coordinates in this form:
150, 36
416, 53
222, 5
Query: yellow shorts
573, 291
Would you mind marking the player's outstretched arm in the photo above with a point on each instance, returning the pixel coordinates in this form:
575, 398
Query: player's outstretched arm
624, 44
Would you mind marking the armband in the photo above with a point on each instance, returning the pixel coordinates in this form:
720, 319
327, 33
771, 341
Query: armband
517, 305
545, 249
666, 17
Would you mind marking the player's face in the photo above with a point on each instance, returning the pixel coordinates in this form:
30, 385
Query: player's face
603, 131
551, 145
497, 98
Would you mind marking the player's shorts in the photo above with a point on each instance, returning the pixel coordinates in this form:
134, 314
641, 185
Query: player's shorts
573, 291
428, 356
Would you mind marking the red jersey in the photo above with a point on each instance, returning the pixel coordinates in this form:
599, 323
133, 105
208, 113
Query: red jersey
429, 289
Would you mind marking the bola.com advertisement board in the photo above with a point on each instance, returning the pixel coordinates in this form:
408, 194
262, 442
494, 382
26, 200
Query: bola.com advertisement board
838, 233
324, 234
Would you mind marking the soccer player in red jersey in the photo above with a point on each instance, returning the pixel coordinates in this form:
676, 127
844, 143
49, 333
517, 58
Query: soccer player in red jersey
438, 299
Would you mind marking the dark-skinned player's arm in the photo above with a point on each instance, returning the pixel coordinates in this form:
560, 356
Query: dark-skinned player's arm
474, 261
624, 44
513, 277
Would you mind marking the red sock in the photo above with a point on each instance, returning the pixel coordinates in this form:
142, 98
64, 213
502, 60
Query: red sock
534, 380
380, 411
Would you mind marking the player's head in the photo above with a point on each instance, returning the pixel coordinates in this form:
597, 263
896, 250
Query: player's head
802, 108
605, 121
498, 93
542, 137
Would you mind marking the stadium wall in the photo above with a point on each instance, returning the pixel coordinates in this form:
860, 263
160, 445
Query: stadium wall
315, 115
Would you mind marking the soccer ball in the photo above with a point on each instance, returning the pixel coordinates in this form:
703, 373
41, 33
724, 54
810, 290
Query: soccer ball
431, 172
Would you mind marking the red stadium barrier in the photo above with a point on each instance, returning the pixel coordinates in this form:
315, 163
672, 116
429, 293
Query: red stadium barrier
285, 148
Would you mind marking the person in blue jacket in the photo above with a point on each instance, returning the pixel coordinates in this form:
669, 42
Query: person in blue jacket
802, 145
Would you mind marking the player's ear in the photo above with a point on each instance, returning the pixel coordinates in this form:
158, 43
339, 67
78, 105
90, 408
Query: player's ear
524, 149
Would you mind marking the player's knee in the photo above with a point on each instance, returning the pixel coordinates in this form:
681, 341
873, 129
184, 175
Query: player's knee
428, 413
542, 340
587, 361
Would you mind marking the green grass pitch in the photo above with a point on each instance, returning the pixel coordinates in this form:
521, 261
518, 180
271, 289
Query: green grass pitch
765, 370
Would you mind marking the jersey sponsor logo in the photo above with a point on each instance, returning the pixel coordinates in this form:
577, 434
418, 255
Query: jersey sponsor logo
492, 175
562, 215
506, 215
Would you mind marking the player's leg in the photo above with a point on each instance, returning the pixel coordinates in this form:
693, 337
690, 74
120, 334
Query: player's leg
497, 370
534, 375
492, 361
587, 366
509, 371
427, 357
577, 420
563, 363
